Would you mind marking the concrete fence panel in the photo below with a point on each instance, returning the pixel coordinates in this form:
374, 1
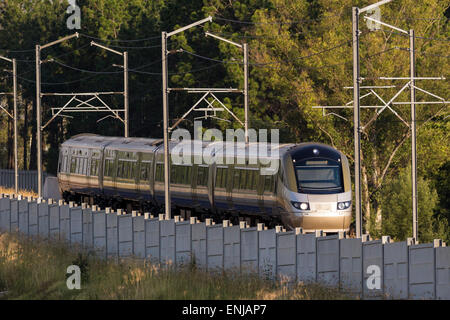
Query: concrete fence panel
125, 232
396, 256
422, 282
43, 218
5, 214
167, 243
183, 242
214, 247
152, 239
286, 255
112, 233
88, 232
138, 235
232, 247
328, 260
54, 219
33, 218
306, 257
99, 232
373, 269
351, 265
249, 250
199, 244
443, 273
64, 222
268, 253
14, 215
23, 215
76, 224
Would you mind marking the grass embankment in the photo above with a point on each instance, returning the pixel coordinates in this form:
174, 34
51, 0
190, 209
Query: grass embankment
36, 269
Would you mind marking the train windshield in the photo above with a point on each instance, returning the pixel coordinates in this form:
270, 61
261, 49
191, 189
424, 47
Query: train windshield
323, 176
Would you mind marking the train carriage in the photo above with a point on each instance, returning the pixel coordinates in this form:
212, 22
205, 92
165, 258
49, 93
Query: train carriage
299, 185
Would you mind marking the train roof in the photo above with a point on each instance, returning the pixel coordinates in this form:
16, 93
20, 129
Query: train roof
188, 146
86, 140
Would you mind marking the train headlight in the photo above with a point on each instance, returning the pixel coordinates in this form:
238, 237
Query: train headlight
344, 205
300, 205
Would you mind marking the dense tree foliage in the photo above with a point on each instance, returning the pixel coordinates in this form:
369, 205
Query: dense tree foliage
300, 55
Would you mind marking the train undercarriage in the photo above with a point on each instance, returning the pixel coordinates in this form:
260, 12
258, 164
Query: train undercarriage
184, 212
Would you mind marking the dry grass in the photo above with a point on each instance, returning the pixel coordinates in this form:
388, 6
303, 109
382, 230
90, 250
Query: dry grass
24, 193
36, 269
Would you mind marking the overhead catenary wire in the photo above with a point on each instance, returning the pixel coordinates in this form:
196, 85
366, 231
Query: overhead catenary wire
175, 73
269, 63
119, 40
421, 37
275, 22
84, 70
423, 53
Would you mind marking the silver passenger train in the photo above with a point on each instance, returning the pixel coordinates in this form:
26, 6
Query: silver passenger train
310, 187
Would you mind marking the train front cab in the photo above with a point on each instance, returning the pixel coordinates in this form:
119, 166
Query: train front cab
316, 193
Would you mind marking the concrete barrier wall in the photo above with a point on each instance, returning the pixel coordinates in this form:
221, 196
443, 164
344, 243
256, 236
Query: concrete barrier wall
370, 269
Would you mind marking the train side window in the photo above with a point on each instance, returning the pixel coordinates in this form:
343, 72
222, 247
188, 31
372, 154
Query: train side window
120, 169
173, 173
159, 172
252, 176
144, 176
109, 168
85, 166
187, 175
94, 167
73, 162
268, 183
243, 178
237, 174
133, 171
221, 178
78, 165
218, 177
126, 169
64, 165
202, 176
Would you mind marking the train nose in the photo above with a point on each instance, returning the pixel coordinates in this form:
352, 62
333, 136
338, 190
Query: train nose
327, 223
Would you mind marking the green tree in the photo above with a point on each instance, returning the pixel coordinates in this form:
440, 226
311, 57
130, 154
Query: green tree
397, 208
